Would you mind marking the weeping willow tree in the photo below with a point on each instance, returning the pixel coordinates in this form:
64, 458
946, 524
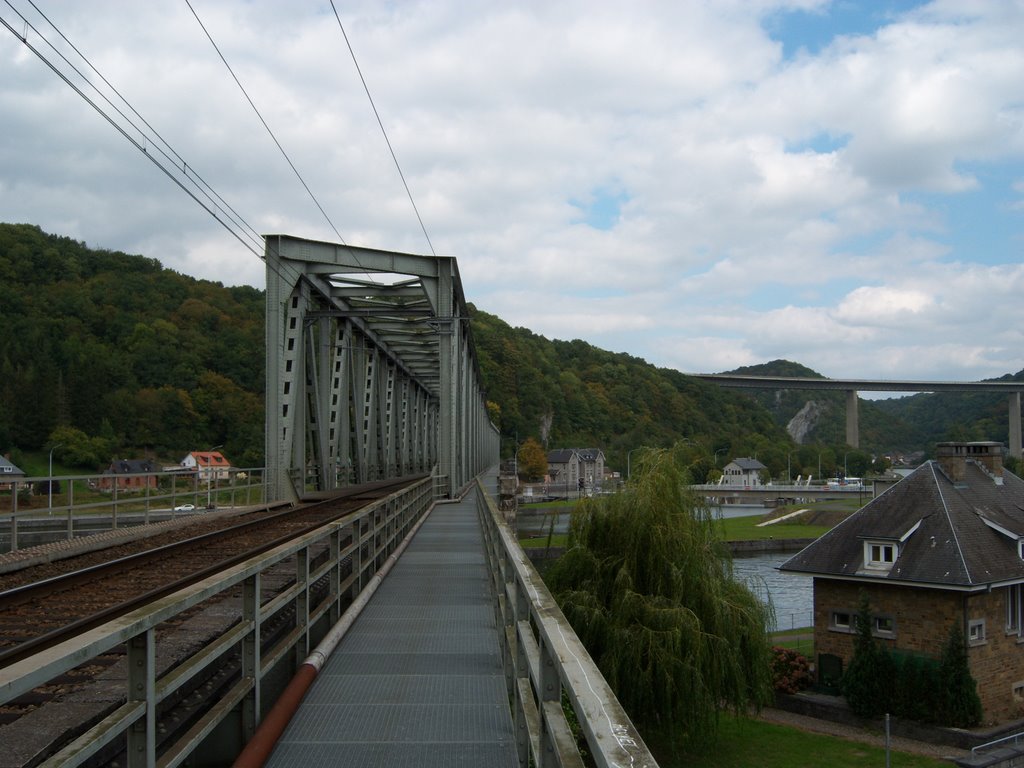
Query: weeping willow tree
646, 582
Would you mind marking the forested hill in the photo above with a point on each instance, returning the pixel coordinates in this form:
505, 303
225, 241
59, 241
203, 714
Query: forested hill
111, 355
911, 423
121, 354
569, 393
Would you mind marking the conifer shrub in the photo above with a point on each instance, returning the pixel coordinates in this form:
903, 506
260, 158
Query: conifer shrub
867, 683
917, 687
959, 704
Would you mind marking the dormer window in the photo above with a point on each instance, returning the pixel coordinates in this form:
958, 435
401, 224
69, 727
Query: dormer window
880, 554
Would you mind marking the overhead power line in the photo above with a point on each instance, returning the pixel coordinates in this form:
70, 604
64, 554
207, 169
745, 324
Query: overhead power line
381, 124
260, 116
175, 168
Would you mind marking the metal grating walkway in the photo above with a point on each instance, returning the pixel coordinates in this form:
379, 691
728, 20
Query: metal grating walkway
417, 681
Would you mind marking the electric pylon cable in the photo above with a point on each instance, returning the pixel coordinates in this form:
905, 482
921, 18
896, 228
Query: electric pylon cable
381, 124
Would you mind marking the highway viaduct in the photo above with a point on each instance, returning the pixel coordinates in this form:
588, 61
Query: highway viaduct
1011, 390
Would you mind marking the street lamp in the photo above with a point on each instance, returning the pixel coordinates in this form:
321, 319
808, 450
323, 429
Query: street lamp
209, 476
628, 456
49, 484
720, 450
845, 471
789, 472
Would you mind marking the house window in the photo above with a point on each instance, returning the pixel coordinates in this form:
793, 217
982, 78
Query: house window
976, 632
1018, 691
884, 626
841, 621
879, 554
1013, 609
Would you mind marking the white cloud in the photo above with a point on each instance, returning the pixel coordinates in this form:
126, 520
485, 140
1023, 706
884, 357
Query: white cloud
771, 207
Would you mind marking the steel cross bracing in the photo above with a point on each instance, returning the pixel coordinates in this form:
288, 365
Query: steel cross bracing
371, 370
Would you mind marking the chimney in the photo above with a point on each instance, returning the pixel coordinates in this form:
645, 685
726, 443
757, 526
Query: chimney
953, 458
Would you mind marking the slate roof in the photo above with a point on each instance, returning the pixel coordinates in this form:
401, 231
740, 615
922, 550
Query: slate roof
7, 469
564, 455
131, 466
560, 456
748, 465
966, 534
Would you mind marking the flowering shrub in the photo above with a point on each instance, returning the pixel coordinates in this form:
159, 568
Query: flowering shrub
791, 672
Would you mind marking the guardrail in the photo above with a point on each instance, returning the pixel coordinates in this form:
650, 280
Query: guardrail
371, 535
543, 658
129, 498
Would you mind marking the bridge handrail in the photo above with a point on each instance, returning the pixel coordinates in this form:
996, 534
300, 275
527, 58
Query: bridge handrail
373, 533
543, 657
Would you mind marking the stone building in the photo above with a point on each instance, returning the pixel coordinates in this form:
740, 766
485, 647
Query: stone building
743, 471
943, 546
570, 469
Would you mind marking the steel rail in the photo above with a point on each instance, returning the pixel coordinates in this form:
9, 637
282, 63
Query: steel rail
39, 590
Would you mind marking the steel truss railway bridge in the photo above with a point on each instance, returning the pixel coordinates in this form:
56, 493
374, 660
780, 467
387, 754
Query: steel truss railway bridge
459, 656
371, 370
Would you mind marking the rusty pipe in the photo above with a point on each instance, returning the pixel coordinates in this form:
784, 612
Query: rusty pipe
261, 745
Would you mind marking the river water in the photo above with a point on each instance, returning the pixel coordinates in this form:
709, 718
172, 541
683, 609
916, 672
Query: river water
791, 594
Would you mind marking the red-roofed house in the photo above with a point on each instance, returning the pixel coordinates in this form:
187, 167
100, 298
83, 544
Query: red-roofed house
210, 465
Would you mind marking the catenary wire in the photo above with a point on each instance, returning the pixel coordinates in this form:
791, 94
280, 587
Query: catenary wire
260, 116
189, 171
381, 124
152, 158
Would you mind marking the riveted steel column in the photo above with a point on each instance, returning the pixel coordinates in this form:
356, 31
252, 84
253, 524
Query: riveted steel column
447, 432
852, 428
285, 308
339, 392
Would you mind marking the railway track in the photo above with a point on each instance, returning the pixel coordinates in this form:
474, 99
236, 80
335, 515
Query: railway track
40, 613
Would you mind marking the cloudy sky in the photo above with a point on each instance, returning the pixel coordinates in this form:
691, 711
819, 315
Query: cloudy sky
701, 184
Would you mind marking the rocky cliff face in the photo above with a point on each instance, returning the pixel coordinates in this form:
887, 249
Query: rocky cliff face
806, 420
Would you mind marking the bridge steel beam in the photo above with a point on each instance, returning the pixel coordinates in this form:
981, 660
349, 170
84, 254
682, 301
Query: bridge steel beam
1011, 388
371, 370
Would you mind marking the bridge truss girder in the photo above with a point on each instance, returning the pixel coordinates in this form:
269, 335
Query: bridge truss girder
371, 370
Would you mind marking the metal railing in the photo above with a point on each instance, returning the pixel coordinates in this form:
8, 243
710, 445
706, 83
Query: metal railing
543, 658
357, 546
85, 502
1013, 740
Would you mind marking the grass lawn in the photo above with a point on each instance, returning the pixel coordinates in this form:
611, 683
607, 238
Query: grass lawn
541, 542
743, 742
745, 529
800, 639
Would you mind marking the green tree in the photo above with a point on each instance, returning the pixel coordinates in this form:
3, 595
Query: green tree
960, 706
867, 682
647, 584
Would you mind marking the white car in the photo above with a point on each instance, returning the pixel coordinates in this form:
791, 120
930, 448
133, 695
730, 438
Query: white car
185, 508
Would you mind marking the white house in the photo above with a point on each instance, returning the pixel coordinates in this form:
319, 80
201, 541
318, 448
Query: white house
210, 465
742, 471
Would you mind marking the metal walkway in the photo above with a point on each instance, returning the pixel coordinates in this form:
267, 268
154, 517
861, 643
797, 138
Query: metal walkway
417, 681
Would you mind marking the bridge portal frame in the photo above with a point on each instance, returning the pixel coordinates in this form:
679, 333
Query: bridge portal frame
371, 370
